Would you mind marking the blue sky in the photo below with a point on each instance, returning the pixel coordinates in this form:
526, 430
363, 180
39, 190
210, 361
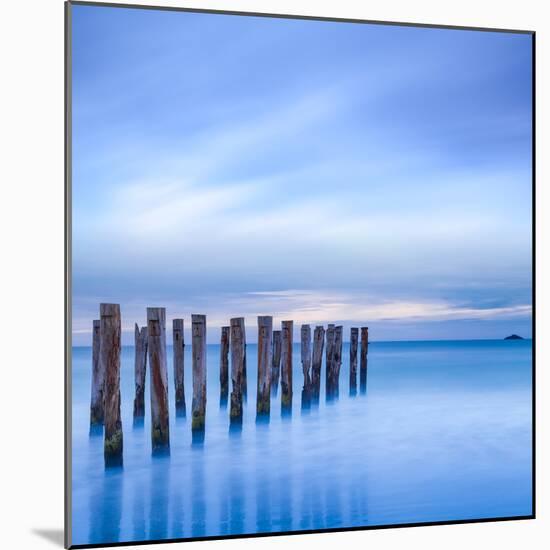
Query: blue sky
316, 171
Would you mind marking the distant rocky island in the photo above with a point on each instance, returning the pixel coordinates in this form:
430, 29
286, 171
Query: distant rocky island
514, 337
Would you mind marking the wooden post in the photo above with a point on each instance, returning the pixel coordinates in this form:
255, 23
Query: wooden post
109, 357
337, 361
140, 369
276, 362
363, 364
354, 339
318, 345
329, 360
286, 365
244, 383
265, 334
305, 339
224, 364
156, 344
98, 380
199, 371
178, 341
237, 367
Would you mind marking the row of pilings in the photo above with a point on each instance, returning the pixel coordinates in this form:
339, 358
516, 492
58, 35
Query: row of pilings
274, 368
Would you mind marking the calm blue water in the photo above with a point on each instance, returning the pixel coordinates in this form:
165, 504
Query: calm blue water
442, 433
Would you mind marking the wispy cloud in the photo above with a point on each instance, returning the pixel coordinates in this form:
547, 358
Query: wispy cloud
211, 176
314, 307
321, 307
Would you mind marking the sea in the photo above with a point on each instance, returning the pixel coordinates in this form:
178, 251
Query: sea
442, 431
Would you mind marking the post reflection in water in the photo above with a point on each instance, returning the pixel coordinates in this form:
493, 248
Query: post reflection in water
224, 500
177, 506
159, 497
236, 486
223, 401
285, 493
263, 482
106, 506
138, 423
138, 507
235, 428
306, 400
363, 381
198, 492
197, 438
306, 497
96, 430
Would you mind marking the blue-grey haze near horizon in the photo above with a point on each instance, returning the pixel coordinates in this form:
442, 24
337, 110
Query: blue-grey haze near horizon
318, 171
443, 433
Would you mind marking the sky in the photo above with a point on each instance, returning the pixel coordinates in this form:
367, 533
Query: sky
367, 175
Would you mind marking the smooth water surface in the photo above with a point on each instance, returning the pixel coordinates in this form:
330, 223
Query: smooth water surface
443, 432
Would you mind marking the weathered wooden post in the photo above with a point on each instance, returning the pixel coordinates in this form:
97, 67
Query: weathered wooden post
156, 347
178, 341
199, 371
224, 365
318, 345
265, 331
244, 383
305, 340
337, 361
276, 362
237, 367
140, 369
286, 365
354, 339
363, 364
98, 380
329, 359
109, 357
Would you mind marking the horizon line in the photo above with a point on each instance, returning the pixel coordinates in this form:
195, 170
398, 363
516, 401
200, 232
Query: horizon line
297, 341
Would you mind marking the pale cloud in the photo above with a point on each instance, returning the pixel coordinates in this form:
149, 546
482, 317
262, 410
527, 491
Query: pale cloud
316, 307
323, 307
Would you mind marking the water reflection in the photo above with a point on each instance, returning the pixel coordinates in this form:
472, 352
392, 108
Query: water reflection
180, 420
138, 423
306, 399
306, 500
363, 380
96, 430
138, 509
286, 411
262, 419
198, 492
159, 503
113, 461
197, 438
106, 507
160, 452
223, 401
263, 491
331, 468
224, 499
235, 428
332, 509
236, 488
332, 392
285, 497
177, 508
180, 410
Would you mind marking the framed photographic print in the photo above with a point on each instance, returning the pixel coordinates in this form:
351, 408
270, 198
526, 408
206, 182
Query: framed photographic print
300, 274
